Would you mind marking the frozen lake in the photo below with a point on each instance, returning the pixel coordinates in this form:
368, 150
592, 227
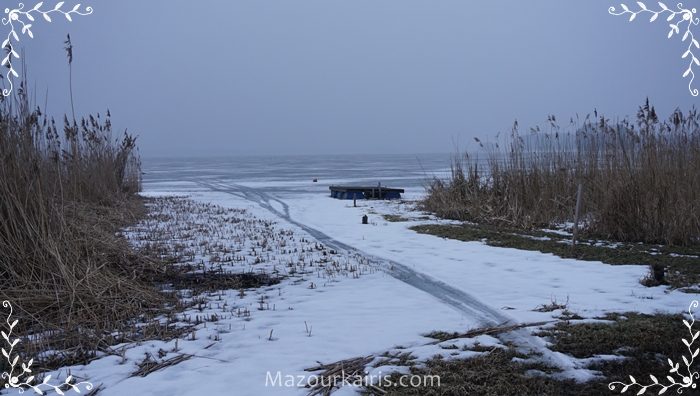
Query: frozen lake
287, 175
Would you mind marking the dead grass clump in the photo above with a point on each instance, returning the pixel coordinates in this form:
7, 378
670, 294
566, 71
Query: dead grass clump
217, 280
395, 218
655, 277
150, 364
641, 181
553, 305
442, 336
335, 375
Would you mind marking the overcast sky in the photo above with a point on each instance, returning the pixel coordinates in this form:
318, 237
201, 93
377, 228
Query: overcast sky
349, 76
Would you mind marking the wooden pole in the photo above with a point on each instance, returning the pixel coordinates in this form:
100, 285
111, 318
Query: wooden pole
577, 214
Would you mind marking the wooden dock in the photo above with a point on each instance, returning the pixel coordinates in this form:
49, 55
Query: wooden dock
362, 192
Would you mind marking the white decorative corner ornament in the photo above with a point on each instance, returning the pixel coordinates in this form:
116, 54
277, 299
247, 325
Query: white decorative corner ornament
17, 379
18, 18
679, 378
686, 16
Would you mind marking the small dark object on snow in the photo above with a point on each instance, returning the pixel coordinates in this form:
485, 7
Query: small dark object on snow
659, 273
365, 219
315, 180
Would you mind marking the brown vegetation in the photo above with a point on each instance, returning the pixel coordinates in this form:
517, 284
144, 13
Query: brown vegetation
640, 182
63, 196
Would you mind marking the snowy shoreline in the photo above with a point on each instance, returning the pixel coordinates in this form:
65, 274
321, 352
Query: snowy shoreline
327, 316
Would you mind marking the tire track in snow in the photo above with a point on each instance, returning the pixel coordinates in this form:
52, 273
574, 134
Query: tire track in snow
456, 298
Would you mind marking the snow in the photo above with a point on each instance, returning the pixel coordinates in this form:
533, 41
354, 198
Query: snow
346, 316
245, 354
369, 312
502, 277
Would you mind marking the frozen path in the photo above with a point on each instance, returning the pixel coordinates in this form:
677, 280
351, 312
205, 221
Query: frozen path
452, 296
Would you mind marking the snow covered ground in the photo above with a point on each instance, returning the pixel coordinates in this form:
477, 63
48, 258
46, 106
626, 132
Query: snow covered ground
406, 285
502, 277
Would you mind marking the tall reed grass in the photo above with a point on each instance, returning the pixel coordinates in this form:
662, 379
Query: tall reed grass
640, 179
64, 193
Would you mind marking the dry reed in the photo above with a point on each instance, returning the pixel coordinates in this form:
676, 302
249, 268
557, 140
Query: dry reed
641, 181
63, 196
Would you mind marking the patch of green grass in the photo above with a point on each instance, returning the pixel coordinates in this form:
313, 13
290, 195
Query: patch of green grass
683, 270
647, 334
491, 374
645, 341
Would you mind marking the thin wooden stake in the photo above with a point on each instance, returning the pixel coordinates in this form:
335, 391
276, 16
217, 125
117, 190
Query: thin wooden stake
577, 214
